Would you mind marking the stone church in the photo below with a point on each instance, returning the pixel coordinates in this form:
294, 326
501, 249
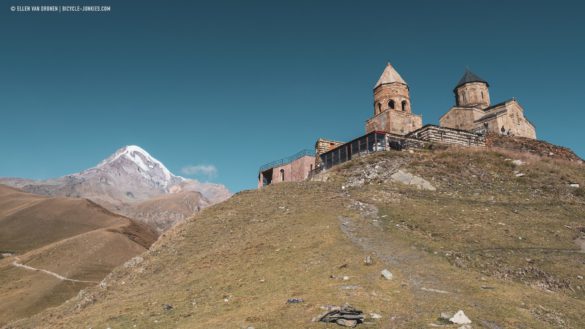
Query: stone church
394, 126
473, 111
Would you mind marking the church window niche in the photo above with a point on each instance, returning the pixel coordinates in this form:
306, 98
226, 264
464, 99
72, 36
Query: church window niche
403, 106
391, 104
282, 174
379, 108
482, 95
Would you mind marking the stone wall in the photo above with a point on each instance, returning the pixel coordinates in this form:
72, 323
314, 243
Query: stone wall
474, 94
394, 122
461, 118
448, 136
397, 142
324, 145
504, 118
509, 116
397, 93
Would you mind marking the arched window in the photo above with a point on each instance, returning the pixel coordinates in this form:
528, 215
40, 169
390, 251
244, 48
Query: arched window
282, 174
379, 108
482, 95
403, 106
391, 104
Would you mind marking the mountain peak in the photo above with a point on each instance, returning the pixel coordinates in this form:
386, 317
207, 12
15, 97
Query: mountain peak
141, 158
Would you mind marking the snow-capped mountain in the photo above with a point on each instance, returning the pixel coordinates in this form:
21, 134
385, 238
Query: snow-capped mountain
127, 179
133, 158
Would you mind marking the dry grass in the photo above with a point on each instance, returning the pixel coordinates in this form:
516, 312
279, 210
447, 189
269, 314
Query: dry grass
72, 237
237, 263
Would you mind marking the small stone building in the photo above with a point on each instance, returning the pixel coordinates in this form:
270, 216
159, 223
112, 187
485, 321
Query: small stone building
324, 145
473, 111
392, 108
294, 168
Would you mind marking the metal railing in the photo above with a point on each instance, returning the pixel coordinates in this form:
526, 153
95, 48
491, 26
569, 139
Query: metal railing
286, 160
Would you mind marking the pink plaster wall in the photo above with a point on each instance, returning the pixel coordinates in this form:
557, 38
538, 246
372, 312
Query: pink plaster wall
295, 171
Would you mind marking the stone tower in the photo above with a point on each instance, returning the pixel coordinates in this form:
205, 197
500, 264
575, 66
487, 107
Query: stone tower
392, 111
472, 91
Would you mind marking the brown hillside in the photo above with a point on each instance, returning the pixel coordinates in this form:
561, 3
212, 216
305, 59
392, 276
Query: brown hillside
164, 211
459, 229
73, 238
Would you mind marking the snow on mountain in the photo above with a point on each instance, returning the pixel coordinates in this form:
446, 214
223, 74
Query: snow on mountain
147, 164
126, 179
133, 161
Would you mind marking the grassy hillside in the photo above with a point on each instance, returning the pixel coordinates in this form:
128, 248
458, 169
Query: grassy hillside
474, 230
72, 238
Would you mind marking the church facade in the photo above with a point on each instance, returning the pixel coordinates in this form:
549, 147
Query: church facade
473, 111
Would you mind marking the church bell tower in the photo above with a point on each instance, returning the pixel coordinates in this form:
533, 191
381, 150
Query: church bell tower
392, 110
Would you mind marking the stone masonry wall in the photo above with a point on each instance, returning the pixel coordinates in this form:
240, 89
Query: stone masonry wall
394, 122
323, 145
441, 135
461, 118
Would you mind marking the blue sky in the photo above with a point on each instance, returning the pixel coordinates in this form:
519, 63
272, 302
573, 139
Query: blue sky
234, 84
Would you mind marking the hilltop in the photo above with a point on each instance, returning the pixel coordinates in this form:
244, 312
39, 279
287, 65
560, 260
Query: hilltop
495, 233
53, 247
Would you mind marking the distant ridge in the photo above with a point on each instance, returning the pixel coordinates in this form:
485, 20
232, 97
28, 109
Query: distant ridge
126, 179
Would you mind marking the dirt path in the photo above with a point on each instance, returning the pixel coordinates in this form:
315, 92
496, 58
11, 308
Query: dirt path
17, 263
430, 282
368, 234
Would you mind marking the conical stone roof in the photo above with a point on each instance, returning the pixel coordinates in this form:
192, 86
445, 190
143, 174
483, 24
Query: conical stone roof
389, 76
468, 77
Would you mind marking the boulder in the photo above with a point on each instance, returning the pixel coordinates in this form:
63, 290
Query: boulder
460, 318
407, 178
387, 274
346, 316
